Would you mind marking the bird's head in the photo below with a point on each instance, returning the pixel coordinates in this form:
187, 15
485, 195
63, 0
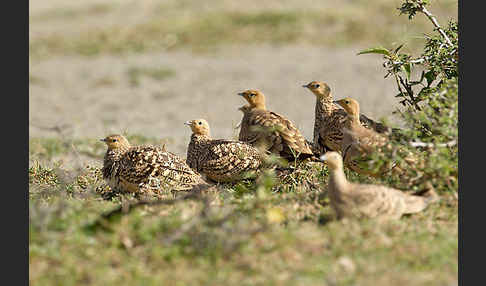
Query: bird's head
333, 160
351, 106
116, 141
254, 97
198, 126
320, 89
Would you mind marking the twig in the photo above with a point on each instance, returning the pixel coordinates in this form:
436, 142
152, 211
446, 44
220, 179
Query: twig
416, 61
431, 145
436, 24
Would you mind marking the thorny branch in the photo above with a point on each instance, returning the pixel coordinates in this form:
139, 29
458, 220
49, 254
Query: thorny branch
435, 23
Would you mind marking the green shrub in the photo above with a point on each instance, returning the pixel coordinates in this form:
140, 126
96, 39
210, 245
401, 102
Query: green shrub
430, 135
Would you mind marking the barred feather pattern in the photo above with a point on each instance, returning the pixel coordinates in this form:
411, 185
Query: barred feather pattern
273, 132
329, 123
148, 168
222, 160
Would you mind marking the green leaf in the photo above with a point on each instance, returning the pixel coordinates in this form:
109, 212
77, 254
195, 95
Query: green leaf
406, 68
397, 49
422, 76
379, 50
430, 76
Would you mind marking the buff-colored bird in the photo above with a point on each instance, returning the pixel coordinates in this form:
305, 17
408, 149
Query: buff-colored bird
142, 169
358, 141
270, 131
370, 201
219, 159
329, 120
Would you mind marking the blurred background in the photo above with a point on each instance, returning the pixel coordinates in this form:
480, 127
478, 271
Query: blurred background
145, 67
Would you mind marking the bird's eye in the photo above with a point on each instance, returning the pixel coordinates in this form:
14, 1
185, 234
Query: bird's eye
316, 85
347, 101
114, 140
199, 123
252, 94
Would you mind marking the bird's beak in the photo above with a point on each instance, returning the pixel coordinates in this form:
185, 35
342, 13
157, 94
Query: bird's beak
188, 123
103, 139
323, 157
305, 85
241, 94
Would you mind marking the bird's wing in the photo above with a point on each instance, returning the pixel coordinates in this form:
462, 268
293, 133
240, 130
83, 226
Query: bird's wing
374, 200
143, 162
374, 125
227, 158
291, 135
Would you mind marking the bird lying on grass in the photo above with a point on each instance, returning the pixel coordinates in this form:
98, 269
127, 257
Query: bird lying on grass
218, 159
142, 169
370, 201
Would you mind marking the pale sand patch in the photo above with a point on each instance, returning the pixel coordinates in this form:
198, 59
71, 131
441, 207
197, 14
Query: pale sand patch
94, 95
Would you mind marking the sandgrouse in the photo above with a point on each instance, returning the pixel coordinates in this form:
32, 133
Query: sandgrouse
359, 141
329, 120
270, 131
219, 159
141, 169
370, 201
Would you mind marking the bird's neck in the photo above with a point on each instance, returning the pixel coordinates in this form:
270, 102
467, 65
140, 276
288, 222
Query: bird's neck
111, 161
338, 179
200, 138
259, 105
325, 106
116, 153
352, 120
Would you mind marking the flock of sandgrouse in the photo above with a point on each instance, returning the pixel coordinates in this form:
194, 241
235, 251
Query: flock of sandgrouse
341, 136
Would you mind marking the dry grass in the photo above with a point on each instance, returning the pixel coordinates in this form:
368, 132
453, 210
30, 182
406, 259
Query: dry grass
272, 231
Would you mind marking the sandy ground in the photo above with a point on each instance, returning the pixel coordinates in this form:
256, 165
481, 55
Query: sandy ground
93, 96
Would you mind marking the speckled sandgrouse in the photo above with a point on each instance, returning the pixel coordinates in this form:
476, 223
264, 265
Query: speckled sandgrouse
142, 169
370, 201
218, 159
271, 131
358, 140
329, 120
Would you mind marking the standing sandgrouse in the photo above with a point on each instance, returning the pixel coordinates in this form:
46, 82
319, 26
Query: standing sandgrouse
329, 120
370, 201
270, 131
219, 159
140, 169
358, 140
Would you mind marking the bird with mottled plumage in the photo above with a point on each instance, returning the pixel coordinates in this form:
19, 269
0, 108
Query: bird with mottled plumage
220, 160
270, 131
370, 201
329, 120
143, 169
358, 141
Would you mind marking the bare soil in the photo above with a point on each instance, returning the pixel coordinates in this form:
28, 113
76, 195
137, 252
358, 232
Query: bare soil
93, 97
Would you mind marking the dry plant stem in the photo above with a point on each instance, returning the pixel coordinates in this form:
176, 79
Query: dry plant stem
436, 24
430, 145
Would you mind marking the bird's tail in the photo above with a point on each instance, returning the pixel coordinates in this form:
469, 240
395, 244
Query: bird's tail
421, 199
